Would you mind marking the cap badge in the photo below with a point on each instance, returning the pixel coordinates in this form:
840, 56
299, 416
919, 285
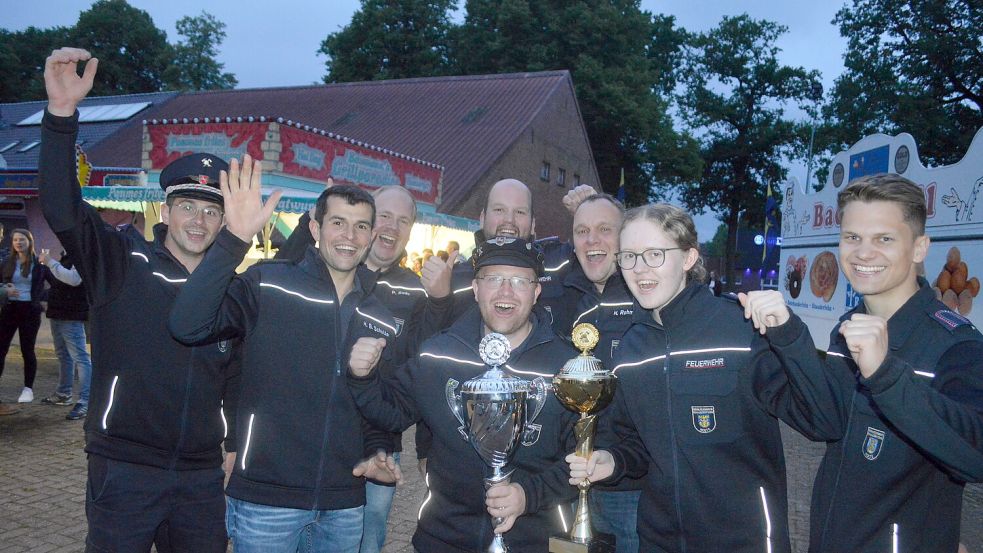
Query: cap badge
202, 179
206, 162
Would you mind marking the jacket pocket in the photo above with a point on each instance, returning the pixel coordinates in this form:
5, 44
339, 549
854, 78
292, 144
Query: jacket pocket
706, 406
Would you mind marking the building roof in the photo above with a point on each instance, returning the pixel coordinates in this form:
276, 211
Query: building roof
464, 123
90, 134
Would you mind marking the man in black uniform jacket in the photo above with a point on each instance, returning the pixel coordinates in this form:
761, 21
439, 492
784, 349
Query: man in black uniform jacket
157, 424
455, 516
910, 384
300, 434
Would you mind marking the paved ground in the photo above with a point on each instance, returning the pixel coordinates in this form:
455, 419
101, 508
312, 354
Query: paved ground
42, 476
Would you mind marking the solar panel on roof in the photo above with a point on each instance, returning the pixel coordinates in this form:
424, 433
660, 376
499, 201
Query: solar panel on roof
9, 146
96, 114
28, 146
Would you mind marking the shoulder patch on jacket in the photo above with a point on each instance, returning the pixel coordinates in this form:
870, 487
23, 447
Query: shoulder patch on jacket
950, 319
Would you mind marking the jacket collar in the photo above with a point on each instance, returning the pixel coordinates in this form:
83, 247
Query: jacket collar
907, 318
677, 307
314, 265
468, 330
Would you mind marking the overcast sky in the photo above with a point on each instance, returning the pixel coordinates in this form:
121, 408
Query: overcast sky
276, 43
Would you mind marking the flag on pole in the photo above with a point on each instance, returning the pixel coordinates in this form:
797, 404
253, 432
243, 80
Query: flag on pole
621, 187
771, 207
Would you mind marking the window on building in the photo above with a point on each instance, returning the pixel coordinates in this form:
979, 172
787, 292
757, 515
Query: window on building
28, 146
576, 180
544, 173
561, 177
9, 146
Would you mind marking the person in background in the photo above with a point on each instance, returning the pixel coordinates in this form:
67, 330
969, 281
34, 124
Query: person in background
23, 278
716, 287
67, 311
454, 252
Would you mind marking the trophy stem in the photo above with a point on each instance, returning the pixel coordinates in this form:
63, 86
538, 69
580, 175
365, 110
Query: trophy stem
584, 430
497, 544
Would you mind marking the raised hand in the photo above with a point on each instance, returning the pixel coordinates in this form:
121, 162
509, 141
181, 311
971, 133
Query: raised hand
365, 355
597, 468
62, 83
507, 501
573, 198
866, 337
381, 468
245, 212
436, 276
765, 308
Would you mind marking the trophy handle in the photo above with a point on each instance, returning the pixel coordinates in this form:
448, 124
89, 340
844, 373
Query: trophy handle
454, 400
538, 390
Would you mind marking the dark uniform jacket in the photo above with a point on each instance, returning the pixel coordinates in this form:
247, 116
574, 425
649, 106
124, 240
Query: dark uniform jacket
913, 435
66, 302
298, 433
453, 515
154, 401
699, 398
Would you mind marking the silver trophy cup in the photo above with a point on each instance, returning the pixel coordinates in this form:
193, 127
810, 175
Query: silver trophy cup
493, 410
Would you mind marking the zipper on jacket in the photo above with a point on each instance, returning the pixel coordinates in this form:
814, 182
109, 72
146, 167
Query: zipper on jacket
672, 437
327, 412
184, 409
839, 469
109, 406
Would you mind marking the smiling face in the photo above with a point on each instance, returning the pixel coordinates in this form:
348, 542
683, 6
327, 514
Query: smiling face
595, 239
654, 287
508, 211
879, 253
506, 310
345, 235
394, 217
189, 230
21, 243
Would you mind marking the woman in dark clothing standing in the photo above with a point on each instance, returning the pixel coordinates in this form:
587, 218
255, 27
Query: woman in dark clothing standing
23, 280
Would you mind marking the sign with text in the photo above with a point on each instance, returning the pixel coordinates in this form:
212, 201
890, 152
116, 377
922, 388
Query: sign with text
315, 156
225, 140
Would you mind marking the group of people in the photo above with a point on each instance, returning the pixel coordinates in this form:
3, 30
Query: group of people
415, 261
297, 376
31, 282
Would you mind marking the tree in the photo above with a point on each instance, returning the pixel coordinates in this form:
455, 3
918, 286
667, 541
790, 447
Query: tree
735, 91
622, 61
716, 246
194, 65
133, 53
390, 39
912, 66
22, 56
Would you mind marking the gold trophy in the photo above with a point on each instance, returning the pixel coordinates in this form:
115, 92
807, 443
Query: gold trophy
584, 386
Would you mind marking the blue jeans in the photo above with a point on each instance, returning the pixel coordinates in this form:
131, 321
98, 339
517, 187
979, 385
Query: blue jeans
378, 502
616, 513
69, 338
256, 528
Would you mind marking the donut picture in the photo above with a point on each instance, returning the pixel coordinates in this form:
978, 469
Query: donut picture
795, 270
823, 275
954, 287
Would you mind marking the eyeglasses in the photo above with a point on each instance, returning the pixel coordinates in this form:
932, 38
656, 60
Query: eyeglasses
653, 257
191, 211
518, 283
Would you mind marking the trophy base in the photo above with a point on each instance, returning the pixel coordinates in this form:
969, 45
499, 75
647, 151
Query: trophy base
602, 543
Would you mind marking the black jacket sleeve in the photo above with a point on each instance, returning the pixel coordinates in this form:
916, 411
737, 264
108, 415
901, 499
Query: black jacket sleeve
100, 252
945, 420
792, 381
230, 397
215, 304
387, 403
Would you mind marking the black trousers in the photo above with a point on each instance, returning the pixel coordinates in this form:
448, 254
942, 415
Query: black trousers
24, 318
131, 506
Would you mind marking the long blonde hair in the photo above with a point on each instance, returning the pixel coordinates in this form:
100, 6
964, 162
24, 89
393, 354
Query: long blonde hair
678, 225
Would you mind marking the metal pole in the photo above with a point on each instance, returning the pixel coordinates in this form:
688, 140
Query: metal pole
812, 137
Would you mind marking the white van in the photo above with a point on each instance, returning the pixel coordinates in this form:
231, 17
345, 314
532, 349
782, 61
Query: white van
812, 281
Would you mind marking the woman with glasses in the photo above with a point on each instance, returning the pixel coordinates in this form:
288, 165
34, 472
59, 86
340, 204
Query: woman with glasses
698, 401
